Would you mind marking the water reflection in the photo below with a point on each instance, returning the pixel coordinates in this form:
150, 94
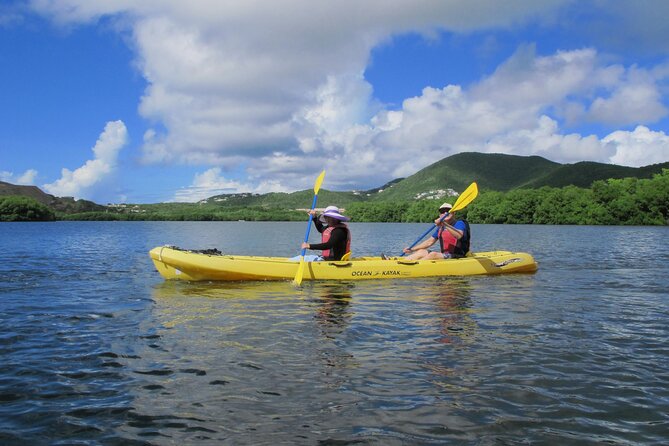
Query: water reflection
453, 303
106, 352
333, 312
222, 290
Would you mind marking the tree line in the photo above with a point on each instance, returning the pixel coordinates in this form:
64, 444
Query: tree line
628, 201
252, 213
17, 208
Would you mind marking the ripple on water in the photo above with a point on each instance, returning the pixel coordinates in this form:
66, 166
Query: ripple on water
104, 352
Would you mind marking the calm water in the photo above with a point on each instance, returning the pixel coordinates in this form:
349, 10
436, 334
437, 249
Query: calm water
96, 348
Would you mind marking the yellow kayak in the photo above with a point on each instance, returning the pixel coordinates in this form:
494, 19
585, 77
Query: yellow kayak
175, 263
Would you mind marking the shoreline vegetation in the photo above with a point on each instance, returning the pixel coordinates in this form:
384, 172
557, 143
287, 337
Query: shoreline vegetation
626, 201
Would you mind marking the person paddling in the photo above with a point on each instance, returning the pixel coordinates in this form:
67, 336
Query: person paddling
335, 238
453, 237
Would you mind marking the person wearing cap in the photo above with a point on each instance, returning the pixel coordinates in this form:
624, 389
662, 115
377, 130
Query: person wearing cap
453, 237
335, 235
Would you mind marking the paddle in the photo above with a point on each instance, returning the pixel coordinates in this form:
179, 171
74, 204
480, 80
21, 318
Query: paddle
463, 200
300, 269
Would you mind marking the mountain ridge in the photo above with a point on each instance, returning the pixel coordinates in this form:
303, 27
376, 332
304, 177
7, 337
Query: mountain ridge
498, 172
60, 204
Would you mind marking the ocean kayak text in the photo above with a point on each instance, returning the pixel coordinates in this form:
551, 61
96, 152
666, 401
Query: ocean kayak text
375, 273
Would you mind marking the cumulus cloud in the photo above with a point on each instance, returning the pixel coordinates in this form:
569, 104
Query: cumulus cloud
545, 140
106, 150
231, 79
519, 109
640, 147
635, 98
211, 182
278, 87
27, 178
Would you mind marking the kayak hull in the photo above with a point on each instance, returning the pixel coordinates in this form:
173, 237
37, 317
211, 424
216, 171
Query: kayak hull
173, 263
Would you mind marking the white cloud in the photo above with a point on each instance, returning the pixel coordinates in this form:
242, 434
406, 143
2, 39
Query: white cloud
106, 150
230, 79
640, 147
516, 110
636, 98
211, 182
27, 178
277, 87
546, 140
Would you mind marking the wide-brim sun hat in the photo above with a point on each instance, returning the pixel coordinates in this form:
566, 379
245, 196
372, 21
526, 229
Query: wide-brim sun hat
332, 211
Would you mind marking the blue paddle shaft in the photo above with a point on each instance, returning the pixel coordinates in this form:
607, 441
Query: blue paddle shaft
426, 233
306, 237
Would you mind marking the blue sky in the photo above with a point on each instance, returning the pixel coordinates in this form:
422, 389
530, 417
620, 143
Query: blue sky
165, 100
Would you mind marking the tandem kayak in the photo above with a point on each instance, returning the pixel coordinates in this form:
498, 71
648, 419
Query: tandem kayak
175, 263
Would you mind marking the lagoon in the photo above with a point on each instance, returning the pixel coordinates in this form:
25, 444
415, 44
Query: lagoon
97, 349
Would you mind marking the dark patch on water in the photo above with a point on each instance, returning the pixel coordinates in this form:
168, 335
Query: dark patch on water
162, 372
194, 372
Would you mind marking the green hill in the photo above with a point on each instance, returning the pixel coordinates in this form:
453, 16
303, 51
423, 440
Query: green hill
583, 174
451, 175
503, 173
491, 171
294, 200
497, 172
65, 205
33, 192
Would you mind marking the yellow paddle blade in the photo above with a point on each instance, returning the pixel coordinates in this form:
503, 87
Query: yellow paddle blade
300, 272
466, 197
319, 181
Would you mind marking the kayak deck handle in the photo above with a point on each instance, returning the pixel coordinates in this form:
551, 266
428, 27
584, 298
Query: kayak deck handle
340, 264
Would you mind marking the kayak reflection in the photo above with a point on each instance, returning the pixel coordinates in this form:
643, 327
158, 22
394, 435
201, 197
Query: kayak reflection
221, 290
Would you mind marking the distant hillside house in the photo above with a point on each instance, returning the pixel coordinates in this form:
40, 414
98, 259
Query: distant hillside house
436, 194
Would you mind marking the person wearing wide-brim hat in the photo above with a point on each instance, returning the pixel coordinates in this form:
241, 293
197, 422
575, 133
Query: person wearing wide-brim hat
335, 234
452, 235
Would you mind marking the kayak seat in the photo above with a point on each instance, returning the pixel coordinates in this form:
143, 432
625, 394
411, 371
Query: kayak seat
346, 256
